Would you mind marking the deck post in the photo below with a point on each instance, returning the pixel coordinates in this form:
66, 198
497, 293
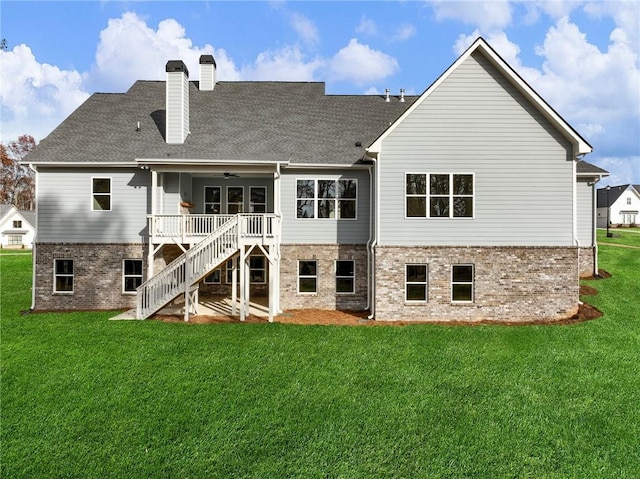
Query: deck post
234, 286
242, 282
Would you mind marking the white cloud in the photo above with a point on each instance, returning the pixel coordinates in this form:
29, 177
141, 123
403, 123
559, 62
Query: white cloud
305, 28
35, 96
367, 27
286, 64
404, 32
488, 16
623, 170
129, 50
361, 64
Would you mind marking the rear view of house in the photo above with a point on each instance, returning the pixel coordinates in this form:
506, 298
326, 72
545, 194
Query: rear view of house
470, 201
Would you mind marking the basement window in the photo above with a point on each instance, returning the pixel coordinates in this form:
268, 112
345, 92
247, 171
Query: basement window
63, 276
462, 283
131, 275
307, 276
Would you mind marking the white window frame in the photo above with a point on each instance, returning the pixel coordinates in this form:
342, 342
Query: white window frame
263, 268
252, 204
241, 210
336, 199
352, 277
14, 240
451, 196
424, 283
65, 275
205, 202
125, 276
299, 277
109, 194
472, 283
206, 279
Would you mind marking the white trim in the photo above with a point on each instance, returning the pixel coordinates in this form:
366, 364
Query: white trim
425, 283
299, 277
205, 202
336, 199
451, 196
480, 45
125, 276
472, 283
66, 275
110, 194
322, 166
226, 203
87, 164
352, 278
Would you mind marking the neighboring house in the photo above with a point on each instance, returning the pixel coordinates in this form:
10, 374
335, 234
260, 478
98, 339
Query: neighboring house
17, 227
469, 201
622, 203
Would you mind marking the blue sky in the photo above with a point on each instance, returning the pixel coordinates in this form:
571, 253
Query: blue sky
582, 57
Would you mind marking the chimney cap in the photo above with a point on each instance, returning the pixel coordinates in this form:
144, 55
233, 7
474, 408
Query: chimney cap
177, 66
207, 60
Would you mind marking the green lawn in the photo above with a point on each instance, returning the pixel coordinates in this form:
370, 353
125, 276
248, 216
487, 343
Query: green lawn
90, 398
624, 236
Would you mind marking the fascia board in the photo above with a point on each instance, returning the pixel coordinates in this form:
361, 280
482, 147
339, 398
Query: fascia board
87, 164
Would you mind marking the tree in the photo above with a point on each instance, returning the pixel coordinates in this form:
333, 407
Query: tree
17, 182
4, 46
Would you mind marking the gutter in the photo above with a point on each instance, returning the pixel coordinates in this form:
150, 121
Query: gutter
373, 234
35, 240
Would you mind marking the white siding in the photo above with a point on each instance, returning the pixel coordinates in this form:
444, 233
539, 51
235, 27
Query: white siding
64, 206
324, 231
170, 199
476, 122
584, 194
177, 107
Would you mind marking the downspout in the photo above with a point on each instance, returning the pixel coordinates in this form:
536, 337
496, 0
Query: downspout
576, 242
33, 246
278, 211
373, 234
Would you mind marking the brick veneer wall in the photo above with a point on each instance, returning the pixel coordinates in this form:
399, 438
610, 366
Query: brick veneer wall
97, 280
510, 283
326, 296
587, 261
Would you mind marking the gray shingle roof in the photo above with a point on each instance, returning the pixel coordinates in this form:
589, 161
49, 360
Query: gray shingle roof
257, 121
614, 193
582, 167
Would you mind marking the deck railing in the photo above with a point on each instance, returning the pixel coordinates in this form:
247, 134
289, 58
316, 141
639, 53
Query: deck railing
193, 228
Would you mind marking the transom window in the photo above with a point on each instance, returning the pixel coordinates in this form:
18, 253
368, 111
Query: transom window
326, 199
462, 283
307, 276
131, 275
101, 194
439, 195
345, 276
212, 200
235, 199
63, 276
415, 282
258, 199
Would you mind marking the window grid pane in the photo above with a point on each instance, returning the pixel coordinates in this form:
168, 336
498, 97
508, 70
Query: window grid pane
101, 194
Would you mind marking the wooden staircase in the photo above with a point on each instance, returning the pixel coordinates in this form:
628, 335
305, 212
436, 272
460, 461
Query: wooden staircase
189, 268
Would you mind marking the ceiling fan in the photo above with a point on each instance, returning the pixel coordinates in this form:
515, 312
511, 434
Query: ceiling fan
230, 175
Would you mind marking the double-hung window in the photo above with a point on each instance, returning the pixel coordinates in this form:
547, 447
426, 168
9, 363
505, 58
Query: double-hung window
326, 198
257, 269
235, 199
345, 276
257, 199
212, 200
307, 276
131, 275
462, 283
442, 195
101, 194
415, 286
63, 276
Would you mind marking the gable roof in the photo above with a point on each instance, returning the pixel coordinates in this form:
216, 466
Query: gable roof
614, 193
6, 210
587, 169
480, 45
237, 121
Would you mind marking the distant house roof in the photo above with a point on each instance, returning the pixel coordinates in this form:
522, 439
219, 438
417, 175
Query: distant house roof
257, 121
613, 194
584, 168
28, 216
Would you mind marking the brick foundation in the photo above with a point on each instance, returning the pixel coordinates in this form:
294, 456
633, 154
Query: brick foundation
587, 262
97, 279
326, 296
510, 283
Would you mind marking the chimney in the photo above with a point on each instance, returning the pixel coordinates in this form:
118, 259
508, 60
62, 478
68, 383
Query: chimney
207, 73
177, 127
